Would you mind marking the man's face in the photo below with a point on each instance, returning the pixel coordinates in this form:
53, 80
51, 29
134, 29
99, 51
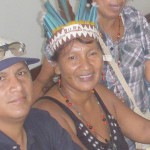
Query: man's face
15, 92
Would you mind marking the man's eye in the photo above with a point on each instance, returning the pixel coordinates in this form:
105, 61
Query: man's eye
1, 78
21, 73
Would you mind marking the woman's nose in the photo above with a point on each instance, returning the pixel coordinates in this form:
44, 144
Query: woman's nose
85, 63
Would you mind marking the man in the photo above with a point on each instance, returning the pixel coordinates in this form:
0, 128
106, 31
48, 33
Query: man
23, 128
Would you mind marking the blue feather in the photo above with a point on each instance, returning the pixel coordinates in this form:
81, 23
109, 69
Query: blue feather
81, 9
93, 14
64, 9
53, 13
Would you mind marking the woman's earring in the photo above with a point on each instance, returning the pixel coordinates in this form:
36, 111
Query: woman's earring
103, 75
89, 2
59, 81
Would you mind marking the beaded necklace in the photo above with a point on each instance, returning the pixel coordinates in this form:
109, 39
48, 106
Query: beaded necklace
118, 38
89, 125
119, 53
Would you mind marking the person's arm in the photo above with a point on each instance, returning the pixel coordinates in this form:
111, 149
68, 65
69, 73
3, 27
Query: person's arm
145, 31
132, 125
44, 79
147, 70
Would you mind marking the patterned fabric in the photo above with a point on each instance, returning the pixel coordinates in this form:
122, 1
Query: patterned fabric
133, 50
85, 135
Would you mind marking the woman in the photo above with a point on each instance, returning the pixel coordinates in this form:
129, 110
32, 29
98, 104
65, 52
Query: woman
126, 33
79, 66
78, 63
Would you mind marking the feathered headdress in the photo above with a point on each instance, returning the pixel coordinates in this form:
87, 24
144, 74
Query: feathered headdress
63, 25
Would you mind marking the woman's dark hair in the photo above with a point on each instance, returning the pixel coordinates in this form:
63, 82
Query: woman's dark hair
89, 1
83, 40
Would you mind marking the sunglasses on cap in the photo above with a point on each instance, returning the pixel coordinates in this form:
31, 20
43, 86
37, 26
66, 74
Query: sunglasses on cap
16, 48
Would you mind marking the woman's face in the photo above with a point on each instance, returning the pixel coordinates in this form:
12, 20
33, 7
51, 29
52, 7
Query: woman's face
110, 8
80, 65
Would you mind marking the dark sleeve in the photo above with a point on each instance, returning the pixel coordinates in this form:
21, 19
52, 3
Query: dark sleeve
53, 134
61, 140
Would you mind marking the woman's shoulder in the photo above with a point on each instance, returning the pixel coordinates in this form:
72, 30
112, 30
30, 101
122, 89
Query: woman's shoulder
104, 91
51, 102
131, 12
128, 10
131, 15
47, 101
107, 96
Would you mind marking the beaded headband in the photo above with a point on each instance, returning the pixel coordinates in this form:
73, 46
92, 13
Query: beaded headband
64, 25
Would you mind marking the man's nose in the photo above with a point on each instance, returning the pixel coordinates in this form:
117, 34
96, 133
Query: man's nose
15, 84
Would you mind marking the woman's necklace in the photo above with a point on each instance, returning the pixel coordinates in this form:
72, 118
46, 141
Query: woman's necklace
118, 39
112, 34
88, 124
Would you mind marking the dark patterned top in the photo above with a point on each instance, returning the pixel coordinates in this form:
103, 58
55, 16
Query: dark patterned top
85, 135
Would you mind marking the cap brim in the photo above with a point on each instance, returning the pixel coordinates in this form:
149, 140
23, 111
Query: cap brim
13, 60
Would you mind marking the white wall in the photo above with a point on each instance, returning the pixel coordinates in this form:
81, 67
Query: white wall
142, 5
19, 21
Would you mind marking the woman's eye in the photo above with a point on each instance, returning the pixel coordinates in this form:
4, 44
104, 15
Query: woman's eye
93, 53
71, 57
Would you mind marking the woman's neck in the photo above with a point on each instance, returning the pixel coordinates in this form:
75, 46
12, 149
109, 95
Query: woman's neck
78, 97
106, 23
112, 27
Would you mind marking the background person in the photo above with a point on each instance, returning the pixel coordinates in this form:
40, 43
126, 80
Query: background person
127, 35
